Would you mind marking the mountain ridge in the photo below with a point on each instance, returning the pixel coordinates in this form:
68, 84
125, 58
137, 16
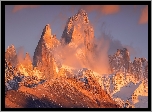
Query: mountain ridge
49, 70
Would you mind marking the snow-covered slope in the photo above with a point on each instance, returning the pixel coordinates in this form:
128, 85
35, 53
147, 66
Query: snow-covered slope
119, 86
143, 102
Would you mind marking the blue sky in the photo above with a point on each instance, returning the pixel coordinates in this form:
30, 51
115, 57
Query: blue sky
126, 24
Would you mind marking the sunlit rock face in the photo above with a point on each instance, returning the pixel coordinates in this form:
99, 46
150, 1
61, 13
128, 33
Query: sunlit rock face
79, 34
65, 93
120, 62
78, 29
46, 43
43, 57
25, 66
142, 90
10, 55
10, 71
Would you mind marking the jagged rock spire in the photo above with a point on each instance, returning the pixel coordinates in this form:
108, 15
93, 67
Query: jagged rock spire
10, 55
46, 30
46, 42
77, 27
82, 11
43, 57
79, 32
120, 62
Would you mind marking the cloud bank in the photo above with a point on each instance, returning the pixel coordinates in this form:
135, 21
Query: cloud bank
103, 9
21, 7
144, 16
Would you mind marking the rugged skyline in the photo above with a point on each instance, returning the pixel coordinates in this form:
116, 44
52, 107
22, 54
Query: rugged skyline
126, 24
77, 64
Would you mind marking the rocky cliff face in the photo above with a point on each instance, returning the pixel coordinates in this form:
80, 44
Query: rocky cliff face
124, 72
120, 62
43, 57
78, 29
46, 43
79, 34
10, 55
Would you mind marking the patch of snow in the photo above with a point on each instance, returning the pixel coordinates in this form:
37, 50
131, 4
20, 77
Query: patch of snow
143, 102
126, 92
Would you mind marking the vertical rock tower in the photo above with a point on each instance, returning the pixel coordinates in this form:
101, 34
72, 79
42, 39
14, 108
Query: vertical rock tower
10, 55
43, 57
79, 34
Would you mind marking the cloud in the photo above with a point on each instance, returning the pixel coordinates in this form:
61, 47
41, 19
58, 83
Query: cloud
98, 10
110, 9
62, 55
90, 8
20, 54
114, 44
104, 9
144, 16
101, 62
20, 7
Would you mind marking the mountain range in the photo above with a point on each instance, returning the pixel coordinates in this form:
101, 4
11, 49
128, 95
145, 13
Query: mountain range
64, 72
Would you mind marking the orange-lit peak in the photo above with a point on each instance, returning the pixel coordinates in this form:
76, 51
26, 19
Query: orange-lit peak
47, 30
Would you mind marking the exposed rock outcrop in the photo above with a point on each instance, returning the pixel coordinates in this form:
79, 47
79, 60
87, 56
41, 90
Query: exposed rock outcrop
79, 34
43, 57
10, 55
